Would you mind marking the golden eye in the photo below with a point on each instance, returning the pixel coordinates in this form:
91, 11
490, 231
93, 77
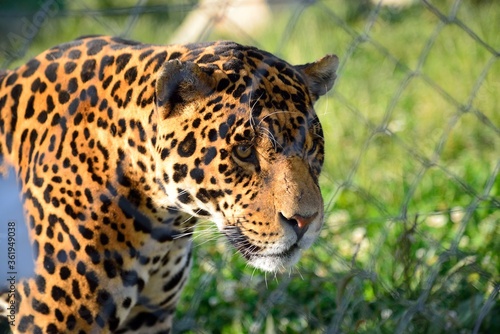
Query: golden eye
243, 151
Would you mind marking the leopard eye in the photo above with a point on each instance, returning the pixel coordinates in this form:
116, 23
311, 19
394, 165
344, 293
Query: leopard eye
243, 151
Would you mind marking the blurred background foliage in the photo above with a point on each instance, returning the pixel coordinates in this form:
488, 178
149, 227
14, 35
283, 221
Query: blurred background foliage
411, 242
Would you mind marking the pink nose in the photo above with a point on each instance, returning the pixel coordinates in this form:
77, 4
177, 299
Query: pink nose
299, 223
303, 222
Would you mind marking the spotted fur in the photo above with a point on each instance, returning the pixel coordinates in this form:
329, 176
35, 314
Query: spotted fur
120, 147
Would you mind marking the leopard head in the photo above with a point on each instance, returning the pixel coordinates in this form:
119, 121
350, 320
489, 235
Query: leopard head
248, 148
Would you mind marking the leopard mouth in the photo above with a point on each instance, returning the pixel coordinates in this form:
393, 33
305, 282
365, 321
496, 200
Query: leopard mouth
256, 257
251, 255
275, 262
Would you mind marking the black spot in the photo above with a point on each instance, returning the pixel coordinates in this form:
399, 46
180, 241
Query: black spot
50, 104
25, 322
30, 110
203, 195
223, 153
160, 234
158, 59
143, 319
122, 61
88, 70
74, 54
92, 280
71, 322
174, 281
216, 193
31, 67
110, 268
202, 212
85, 232
104, 239
108, 306
231, 119
127, 302
88, 195
175, 55
212, 135
165, 153
196, 123
62, 256
63, 97
131, 75
46, 193
42, 117
145, 54
141, 222
52, 328
70, 211
187, 146
233, 77
49, 265
180, 172
129, 277
11, 79
49, 249
115, 87
38, 229
69, 67
134, 197
57, 293
38, 86
123, 179
59, 316
197, 174
217, 107
107, 82
94, 46
106, 203
184, 196
208, 58
51, 72
81, 268
223, 129
85, 314
93, 254
105, 61
210, 154
40, 307
78, 119
75, 289
40, 283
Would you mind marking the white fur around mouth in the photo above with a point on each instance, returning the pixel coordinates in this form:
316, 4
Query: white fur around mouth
274, 262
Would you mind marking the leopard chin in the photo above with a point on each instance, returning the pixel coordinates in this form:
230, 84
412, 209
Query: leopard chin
279, 259
277, 262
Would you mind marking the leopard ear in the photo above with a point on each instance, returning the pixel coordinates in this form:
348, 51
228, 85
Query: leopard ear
180, 83
320, 75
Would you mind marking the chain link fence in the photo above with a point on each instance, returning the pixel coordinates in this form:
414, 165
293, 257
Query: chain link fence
411, 242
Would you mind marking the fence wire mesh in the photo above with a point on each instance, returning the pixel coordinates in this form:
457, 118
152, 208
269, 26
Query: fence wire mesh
411, 241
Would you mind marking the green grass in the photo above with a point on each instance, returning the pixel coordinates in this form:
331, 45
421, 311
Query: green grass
411, 242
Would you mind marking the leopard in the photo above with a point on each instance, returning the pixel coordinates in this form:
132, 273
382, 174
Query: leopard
120, 148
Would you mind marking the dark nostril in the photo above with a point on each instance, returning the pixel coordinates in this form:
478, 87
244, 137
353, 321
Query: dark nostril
294, 224
299, 223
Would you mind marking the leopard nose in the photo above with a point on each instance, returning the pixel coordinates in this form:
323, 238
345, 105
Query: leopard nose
299, 223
